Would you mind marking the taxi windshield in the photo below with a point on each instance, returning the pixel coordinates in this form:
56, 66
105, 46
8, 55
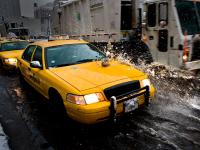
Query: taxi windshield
71, 54
8, 46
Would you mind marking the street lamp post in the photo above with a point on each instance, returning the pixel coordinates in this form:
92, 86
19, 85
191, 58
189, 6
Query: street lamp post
59, 11
49, 25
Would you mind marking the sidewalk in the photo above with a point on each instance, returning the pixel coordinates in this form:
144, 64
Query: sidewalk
13, 125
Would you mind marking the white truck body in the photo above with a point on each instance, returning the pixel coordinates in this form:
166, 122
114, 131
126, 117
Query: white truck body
171, 32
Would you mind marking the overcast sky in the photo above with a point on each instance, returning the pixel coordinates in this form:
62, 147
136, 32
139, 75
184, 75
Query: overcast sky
27, 9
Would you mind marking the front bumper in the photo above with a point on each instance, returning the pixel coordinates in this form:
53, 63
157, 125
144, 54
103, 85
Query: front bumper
102, 111
114, 101
193, 65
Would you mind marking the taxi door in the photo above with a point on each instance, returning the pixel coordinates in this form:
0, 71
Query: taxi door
37, 74
24, 63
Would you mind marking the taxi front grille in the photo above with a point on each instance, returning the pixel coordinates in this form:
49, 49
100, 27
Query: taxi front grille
121, 89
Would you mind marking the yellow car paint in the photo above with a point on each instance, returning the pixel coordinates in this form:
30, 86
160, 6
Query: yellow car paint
81, 79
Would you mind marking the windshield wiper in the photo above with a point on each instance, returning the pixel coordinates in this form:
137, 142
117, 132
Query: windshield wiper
85, 60
61, 65
89, 60
77, 62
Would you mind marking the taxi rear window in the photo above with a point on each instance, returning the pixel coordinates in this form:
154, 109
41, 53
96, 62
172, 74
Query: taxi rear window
13, 45
71, 54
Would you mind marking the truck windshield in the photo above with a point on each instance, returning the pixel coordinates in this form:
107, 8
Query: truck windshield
8, 46
189, 16
70, 54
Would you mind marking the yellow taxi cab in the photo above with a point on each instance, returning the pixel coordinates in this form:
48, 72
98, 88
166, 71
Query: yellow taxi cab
78, 78
9, 51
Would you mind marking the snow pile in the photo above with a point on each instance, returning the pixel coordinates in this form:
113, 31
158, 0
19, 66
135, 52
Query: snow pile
3, 140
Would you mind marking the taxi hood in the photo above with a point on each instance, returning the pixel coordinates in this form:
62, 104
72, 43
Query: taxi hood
93, 74
11, 54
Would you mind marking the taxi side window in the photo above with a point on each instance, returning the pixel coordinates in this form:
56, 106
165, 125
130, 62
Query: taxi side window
28, 53
37, 56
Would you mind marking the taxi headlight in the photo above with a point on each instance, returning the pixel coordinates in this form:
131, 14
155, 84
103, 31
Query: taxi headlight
11, 60
86, 99
146, 82
76, 99
91, 98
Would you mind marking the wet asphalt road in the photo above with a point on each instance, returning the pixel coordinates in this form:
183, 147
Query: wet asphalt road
171, 122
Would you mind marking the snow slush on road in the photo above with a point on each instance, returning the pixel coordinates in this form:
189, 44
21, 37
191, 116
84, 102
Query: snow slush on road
173, 118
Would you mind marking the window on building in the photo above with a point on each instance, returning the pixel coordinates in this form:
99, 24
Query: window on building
13, 25
35, 5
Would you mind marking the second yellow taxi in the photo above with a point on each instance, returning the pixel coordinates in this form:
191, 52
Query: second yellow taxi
78, 78
9, 51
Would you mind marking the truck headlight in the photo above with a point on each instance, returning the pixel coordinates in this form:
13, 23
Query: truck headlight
86, 99
146, 82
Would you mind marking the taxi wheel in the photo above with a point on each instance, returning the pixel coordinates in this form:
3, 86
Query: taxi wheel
57, 108
1, 63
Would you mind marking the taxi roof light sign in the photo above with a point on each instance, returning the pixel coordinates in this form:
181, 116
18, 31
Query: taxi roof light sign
58, 37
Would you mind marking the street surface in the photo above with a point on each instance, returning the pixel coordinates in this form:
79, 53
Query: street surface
171, 122
18, 135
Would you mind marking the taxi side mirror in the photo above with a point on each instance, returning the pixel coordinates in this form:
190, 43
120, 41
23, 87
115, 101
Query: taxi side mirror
35, 64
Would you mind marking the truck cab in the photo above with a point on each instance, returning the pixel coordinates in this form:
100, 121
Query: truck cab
171, 30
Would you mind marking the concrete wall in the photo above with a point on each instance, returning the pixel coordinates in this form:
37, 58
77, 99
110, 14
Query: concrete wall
9, 8
44, 13
27, 6
32, 24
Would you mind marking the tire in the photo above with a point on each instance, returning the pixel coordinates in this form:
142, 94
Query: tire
1, 65
57, 108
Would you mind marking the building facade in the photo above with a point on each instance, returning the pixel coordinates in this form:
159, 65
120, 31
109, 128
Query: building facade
19, 15
9, 8
28, 6
44, 13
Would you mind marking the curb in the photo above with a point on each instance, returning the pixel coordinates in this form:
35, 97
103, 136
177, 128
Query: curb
37, 138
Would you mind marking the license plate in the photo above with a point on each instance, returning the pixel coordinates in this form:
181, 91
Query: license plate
130, 105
